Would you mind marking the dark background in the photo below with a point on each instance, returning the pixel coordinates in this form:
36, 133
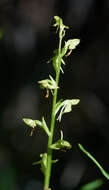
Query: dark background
27, 43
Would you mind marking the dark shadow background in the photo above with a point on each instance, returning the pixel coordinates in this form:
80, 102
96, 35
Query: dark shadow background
27, 43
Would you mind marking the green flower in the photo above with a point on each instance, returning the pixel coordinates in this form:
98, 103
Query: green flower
61, 144
65, 107
59, 23
48, 83
34, 123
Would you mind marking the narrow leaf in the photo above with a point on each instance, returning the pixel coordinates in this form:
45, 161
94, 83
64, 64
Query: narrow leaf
94, 160
44, 126
92, 185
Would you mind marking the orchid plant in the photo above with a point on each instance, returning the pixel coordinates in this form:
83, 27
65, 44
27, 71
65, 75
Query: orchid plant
59, 107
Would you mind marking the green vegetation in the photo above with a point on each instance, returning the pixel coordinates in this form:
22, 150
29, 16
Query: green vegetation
59, 107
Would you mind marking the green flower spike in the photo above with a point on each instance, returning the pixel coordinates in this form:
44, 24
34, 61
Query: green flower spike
65, 107
69, 45
34, 123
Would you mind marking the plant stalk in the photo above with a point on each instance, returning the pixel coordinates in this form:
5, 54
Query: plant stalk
50, 138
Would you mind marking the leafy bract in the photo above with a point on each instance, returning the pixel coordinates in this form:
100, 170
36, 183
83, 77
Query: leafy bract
65, 106
55, 60
34, 123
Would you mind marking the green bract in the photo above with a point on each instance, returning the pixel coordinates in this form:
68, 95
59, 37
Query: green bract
34, 123
55, 60
65, 106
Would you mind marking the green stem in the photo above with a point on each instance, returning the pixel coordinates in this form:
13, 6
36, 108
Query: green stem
50, 138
